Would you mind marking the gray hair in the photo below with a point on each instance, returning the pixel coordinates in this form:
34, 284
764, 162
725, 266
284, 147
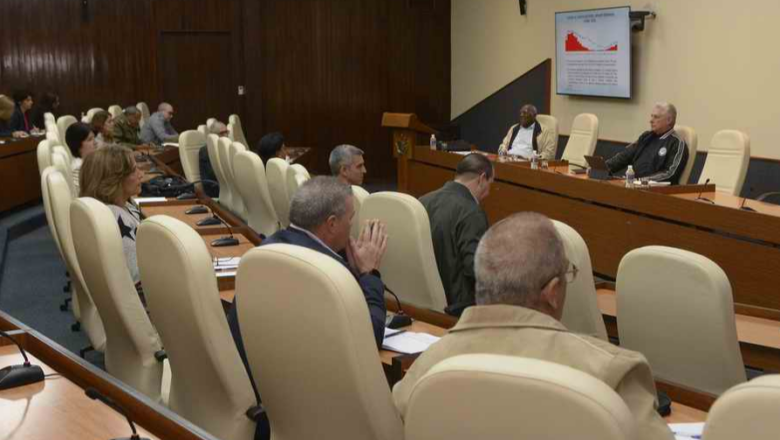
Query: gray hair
217, 128
341, 156
669, 110
516, 258
131, 111
318, 199
163, 106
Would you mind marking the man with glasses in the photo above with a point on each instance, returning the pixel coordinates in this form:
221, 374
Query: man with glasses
522, 273
159, 129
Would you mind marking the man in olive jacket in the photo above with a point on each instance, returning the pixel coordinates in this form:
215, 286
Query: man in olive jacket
457, 224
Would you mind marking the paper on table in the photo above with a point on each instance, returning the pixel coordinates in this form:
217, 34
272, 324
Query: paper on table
142, 200
462, 153
409, 342
226, 274
686, 431
227, 263
391, 331
170, 144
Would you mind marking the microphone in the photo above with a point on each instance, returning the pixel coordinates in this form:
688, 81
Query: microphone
191, 195
746, 208
704, 199
18, 375
97, 395
400, 319
200, 209
208, 221
224, 241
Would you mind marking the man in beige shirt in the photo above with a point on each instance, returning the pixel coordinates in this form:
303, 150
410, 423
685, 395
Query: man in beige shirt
522, 272
528, 136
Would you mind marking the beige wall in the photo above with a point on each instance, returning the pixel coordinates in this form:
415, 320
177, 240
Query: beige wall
718, 61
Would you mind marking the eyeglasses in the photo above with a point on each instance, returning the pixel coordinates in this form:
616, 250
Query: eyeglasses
571, 274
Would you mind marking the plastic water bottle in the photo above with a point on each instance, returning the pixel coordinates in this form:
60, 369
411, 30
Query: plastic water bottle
433, 142
534, 161
630, 177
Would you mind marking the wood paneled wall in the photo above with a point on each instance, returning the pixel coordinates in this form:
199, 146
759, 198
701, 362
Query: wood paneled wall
320, 71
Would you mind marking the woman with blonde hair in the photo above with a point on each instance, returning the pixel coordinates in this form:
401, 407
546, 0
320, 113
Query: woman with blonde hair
110, 175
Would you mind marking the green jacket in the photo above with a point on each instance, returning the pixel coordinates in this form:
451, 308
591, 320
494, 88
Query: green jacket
457, 224
125, 134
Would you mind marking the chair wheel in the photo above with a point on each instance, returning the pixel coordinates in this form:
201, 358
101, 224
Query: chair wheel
75, 327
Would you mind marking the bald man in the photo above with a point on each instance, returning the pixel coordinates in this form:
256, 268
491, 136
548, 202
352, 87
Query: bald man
158, 129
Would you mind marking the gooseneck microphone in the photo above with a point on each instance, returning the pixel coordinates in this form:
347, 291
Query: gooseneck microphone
400, 319
742, 205
704, 199
208, 221
224, 241
97, 395
18, 375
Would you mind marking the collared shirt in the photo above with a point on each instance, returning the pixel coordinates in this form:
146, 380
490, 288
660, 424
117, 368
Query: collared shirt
519, 331
523, 145
317, 239
158, 131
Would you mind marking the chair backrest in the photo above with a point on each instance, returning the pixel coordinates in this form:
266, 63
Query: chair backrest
550, 122
727, 161
61, 161
48, 209
522, 393
190, 143
276, 174
131, 340
409, 264
237, 130
58, 198
581, 312
114, 111
62, 126
683, 322
209, 384
203, 130
43, 153
210, 123
51, 128
49, 117
212, 142
144, 109
310, 303
253, 185
746, 411
239, 207
223, 151
90, 113
53, 136
297, 174
691, 139
582, 138
358, 197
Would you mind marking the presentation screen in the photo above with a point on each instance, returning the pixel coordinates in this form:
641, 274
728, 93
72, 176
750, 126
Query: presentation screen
593, 52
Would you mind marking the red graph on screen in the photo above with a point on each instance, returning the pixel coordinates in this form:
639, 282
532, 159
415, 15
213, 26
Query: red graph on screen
577, 43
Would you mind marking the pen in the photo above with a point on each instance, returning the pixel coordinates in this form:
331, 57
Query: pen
395, 334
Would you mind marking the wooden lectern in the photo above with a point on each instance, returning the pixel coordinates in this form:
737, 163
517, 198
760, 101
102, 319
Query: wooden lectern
408, 132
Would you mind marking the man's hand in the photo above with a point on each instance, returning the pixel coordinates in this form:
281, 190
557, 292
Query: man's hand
365, 254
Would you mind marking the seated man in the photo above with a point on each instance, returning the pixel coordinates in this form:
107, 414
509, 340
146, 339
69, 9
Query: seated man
528, 136
126, 128
321, 213
210, 184
158, 129
522, 272
346, 162
659, 154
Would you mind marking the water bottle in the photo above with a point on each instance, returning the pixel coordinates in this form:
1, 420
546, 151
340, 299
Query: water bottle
534, 161
433, 142
630, 177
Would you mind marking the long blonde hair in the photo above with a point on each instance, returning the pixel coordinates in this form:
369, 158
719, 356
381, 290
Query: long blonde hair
104, 172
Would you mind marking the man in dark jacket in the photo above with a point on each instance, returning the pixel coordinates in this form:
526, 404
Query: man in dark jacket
659, 154
457, 224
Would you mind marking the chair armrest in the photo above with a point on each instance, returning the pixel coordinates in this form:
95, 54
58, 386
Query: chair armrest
254, 412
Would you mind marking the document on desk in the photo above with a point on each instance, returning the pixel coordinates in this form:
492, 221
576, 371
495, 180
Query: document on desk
171, 144
226, 263
408, 342
142, 200
687, 431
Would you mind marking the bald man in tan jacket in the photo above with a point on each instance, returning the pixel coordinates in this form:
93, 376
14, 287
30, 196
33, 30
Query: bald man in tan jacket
520, 296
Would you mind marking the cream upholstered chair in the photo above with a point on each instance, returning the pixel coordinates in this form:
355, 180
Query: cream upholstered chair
61, 162
582, 139
409, 265
190, 143
746, 411
203, 130
550, 122
236, 130
131, 341
727, 161
48, 117
209, 386
691, 139
210, 123
58, 198
49, 210
62, 126
114, 111
212, 142
239, 206
522, 393
683, 323
144, 109
310, 308
43, 153
253, 186
53, 137
223, 150
276, 174
296, 176
91, 113
581, 312
359, 196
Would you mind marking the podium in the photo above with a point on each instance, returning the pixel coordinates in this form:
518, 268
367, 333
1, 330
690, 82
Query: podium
408, 132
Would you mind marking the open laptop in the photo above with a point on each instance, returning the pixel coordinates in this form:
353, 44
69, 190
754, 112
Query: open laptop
599, 169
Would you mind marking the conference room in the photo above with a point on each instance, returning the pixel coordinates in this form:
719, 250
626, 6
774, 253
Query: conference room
192, 236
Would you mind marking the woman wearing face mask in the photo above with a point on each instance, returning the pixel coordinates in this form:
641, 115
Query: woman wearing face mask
81, 142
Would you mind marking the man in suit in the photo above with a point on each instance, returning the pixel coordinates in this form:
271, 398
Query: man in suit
522, 272
321, 214
346, 162
528, 136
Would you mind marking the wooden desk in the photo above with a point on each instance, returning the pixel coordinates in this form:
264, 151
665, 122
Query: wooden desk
19, 177
614, 220
58, 407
